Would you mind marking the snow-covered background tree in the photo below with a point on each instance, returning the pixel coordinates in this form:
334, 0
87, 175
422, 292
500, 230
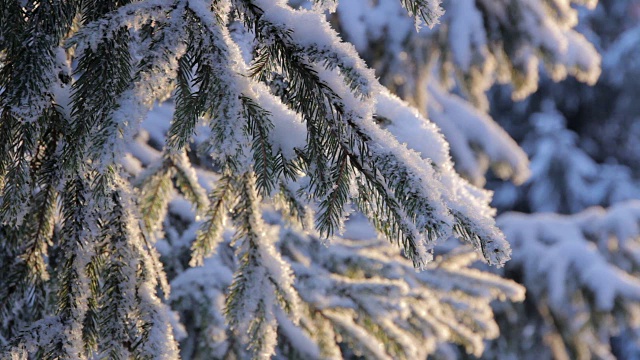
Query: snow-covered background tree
578, 138
216, 179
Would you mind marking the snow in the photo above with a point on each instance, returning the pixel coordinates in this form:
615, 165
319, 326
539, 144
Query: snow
624, 50
553, 248
299, 339
366, 276
563, 177
256, 278
473, 135
412, 129
288, 133
466, 32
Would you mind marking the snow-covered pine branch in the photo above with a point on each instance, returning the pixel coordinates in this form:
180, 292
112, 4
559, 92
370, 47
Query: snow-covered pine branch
194, 299
74, 227
357, 296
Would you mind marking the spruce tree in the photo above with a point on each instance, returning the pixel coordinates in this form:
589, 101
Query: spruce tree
188, 179
290, 113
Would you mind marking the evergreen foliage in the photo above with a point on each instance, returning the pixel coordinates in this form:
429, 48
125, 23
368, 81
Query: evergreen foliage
206, 179
286, 109
356, 297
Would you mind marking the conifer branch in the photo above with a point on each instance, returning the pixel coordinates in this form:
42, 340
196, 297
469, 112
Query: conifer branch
323, 108
189, 106
40, 222
91, 322
262, 282
155, 194
294, 209
330, 59
187, 183
27, 78
117, 323
425, 10
390, 219
18, 181
214, 71
326, 334
332, 207
296, 121
20, 287
210, 233
80, 335
264, 162
101, 82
